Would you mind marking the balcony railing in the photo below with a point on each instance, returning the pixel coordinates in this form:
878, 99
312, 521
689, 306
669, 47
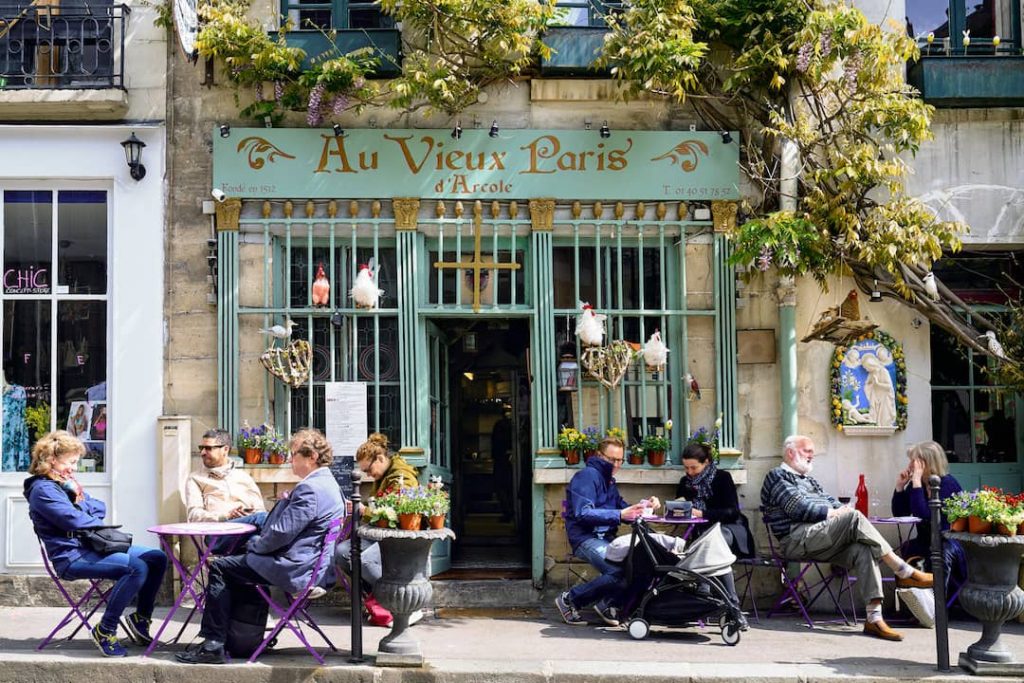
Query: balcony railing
72, 45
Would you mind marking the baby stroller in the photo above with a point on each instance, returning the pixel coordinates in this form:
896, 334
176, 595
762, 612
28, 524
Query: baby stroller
679, 590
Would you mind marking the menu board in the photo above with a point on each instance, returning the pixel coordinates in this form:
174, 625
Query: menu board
347, 425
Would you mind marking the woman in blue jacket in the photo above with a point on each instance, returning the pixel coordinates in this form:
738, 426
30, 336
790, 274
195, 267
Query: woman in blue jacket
58, 507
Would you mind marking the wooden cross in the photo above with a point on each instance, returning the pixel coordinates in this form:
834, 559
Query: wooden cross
476, 265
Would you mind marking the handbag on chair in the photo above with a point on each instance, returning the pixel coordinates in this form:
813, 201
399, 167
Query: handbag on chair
105, 540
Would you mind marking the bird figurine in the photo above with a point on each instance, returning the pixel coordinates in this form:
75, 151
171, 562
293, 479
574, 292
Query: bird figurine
590, 325
967, 38
321, 290
364, 291
694, 388
994, 347
931, 37
655, 352
280, 331
850, 308
931, 287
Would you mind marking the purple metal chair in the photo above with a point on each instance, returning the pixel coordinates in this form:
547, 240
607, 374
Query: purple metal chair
573, 574
95, 591
292, 615
803, 589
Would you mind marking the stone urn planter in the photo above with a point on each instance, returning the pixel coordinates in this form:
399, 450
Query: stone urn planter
404, 587
992, 596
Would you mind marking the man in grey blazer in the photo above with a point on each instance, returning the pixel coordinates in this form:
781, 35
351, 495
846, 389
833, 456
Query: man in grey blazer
285, 550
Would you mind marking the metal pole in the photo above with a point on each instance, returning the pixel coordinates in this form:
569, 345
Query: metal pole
939, 576
355, 588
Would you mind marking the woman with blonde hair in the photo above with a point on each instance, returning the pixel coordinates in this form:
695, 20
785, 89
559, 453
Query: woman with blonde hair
911, 499
59, 507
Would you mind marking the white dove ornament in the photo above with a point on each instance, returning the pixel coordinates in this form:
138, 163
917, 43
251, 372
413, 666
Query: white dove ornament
590, 326
364, 290
655, 352
279, 331
930, 286
994, 347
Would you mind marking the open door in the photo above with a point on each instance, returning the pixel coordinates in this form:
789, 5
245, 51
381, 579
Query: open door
439, 463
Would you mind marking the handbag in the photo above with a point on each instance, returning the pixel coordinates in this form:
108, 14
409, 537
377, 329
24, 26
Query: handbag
105, 540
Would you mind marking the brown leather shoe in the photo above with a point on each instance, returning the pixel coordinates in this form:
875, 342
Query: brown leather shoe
918, 579
880, 629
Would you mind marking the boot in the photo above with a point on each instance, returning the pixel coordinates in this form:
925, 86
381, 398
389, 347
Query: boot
378, 615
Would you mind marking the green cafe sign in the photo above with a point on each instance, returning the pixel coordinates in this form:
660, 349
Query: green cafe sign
517, 164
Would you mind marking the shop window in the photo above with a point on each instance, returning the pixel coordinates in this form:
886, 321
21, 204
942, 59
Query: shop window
340, 14
584, 12
946, 20
54, 360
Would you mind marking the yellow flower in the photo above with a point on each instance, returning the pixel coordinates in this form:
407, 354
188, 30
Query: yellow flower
839, 427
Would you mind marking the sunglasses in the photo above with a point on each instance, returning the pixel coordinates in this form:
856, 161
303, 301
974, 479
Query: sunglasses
203, 447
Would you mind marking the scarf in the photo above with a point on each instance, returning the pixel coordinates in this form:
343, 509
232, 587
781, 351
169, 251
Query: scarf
701, 484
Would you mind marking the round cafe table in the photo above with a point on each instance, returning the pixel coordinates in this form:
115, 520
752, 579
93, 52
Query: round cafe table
191, 581
684, 524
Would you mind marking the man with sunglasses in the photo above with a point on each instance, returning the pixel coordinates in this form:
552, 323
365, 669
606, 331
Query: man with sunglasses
219, 492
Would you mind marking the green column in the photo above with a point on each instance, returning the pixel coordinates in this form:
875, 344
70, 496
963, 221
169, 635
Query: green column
787, 355
227, 330
414, 365
725, 341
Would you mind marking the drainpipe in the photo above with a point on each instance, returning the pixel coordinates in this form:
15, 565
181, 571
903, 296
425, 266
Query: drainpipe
786, 294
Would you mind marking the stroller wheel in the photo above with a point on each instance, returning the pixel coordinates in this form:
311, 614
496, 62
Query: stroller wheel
638, 629
723, 620
731, 633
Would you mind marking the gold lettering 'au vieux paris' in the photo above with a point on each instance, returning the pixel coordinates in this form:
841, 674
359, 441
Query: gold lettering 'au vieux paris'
546, 155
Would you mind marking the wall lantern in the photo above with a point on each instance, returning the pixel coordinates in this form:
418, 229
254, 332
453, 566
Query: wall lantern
567, 371
133, 155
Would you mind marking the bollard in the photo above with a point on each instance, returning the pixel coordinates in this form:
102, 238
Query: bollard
356, 584
939, 575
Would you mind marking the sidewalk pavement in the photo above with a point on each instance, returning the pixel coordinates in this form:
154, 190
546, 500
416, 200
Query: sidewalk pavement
533, 646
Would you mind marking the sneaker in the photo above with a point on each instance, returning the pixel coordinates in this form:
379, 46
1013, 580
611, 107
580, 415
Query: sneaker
379, 616
316, 592
608, 614
138, 629
416, 617
568, 610
108, 643
203, 654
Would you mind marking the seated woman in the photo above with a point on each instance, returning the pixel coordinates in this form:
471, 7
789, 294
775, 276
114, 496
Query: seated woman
714, 498
911, 498
58, 506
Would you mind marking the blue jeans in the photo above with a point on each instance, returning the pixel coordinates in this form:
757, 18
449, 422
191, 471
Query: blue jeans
235, 545
136, 572
607, 584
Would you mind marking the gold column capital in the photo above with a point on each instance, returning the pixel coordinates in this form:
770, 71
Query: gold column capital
407, 211
542, 214
724, 215
228, 213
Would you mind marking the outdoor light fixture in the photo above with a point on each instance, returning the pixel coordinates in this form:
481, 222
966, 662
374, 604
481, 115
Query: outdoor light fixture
567, 369
457, 130
225, 130
338, 130
726, 137
268, 122
494, 129
133, 155
876, 296
605, 132
336, 319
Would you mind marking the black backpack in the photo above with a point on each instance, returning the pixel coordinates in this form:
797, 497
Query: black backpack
248, 623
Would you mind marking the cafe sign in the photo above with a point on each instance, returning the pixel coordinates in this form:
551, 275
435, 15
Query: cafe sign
517, 164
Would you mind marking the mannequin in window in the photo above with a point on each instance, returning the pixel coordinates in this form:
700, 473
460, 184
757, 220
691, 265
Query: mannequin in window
15, 435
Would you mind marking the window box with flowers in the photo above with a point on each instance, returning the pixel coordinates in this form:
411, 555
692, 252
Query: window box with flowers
571, 441
986, 511
654, 447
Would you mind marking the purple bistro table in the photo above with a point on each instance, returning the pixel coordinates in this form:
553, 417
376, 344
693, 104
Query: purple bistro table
688, 524
197, 532
898, 522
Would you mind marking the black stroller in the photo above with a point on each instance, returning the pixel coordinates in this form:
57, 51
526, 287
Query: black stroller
679, 590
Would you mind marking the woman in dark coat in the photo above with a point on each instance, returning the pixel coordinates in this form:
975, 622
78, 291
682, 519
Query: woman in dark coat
713, 495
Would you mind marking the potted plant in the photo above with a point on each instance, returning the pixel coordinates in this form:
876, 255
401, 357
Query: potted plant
654, 446
381, 509
411, 504
591, 440
250, 443
636, 454
571, 442
957, 510
708, 438
438, 503
276, 447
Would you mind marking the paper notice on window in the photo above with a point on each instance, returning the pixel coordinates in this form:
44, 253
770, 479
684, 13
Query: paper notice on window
347, 422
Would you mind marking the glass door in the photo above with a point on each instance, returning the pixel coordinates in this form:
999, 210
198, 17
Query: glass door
439, 462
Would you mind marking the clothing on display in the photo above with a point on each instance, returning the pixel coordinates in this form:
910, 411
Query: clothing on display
15, 437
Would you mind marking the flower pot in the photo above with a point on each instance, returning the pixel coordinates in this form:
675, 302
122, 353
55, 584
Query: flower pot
278, 458
656, 458
976, 525
253, 456
436, 521
1004, 530
636, 458
571, 457
410, 521
382, 523
1020, 528
958, 524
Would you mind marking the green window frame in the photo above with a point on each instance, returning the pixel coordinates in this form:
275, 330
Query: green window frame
339, 14
586, 12
947, 19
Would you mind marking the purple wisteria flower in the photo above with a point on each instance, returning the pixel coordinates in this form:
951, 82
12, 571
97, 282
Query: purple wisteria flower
313, 115
803, 57
764, 259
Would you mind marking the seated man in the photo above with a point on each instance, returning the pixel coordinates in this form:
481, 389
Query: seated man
812, 525
284, 552
594, 509
218, 492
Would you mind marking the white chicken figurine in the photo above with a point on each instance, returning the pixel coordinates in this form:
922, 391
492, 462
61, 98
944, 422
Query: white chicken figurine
994, 347
655, 352
590, 325
364, 291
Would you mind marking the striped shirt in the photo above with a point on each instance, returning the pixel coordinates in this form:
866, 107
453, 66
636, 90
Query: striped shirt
788, 498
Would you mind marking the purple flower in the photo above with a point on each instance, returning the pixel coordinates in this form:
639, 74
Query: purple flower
803, 57
313, 114
338, 105
764, 259
278, 90
259, 91
826, 42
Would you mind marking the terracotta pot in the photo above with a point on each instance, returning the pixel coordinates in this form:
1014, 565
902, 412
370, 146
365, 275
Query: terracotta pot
278, 458
436, 521
656, 458
571, 457
382, 523
958, 524
410, 521
253, 456
1004, 530
636, 458
976, 525
1020, 529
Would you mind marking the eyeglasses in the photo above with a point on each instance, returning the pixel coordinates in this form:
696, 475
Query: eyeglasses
203, 447
616, 461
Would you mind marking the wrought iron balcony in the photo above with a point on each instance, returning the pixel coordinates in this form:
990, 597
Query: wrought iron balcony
75, 44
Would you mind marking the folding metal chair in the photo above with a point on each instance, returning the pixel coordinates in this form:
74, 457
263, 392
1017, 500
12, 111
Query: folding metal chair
95, 591
295, 613
573, 574
745, 569
803, 590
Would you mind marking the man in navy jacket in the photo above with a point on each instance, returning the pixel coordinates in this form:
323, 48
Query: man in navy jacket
594, 509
